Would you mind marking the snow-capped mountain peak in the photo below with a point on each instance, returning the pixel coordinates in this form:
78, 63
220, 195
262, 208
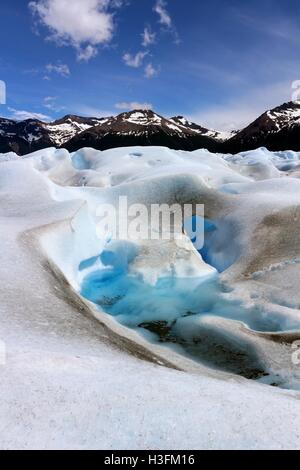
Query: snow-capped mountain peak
276, 129
287, 114
220, 136
62, 130
142, 117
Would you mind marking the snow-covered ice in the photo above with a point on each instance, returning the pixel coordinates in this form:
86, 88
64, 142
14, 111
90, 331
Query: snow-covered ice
80, 372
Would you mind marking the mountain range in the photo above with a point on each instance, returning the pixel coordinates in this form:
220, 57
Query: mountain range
277, 129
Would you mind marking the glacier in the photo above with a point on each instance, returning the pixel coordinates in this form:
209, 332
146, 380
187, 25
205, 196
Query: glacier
133, 344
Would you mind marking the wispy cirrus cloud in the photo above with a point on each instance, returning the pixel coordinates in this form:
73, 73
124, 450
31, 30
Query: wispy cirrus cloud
149, 37
280, 27
61, 69
150, 71
21, 115
50, 69
90, 111
82, 24
50, 102
160, 8
165, 19
132, 105
134, 60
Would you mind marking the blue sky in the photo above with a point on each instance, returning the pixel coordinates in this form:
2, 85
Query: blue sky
220, 63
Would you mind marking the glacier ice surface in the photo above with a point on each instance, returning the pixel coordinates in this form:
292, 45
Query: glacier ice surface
238, 299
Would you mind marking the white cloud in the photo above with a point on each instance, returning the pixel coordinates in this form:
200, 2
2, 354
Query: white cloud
164, 17
88, 53
50, 99
136, 60
82, 24
60, 69
148, 37
150, 71
133, 105
20, 115
50, 102
91, 111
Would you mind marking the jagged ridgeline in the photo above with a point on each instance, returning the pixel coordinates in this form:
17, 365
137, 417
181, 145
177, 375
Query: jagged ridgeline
278, 129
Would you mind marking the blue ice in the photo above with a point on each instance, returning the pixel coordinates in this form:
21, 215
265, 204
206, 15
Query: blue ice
134, 302
168, 312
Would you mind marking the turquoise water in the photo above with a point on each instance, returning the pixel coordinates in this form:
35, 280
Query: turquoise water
133, 302
174, 311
